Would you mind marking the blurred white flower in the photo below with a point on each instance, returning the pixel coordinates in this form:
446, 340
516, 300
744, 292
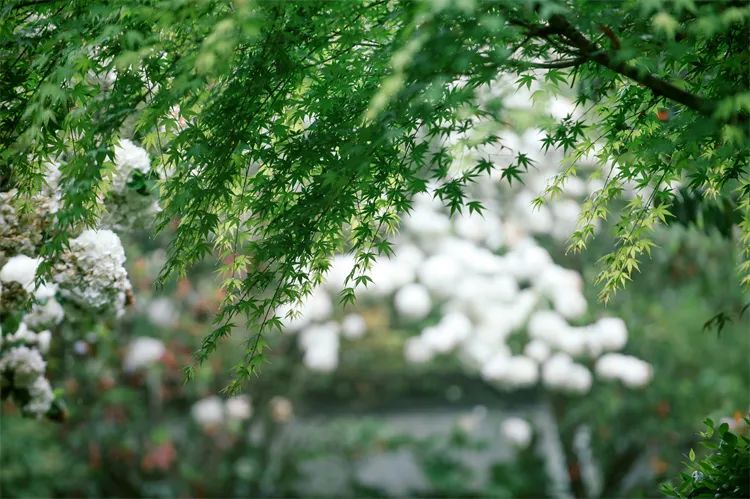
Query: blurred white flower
341, 267
318, 305
43, 340
353, 326
472, 227
439, 273
44, 315
40, 397
45, 292
388, 274
566, 213
560, 107
482, 346
142, 352
547, 326
610, 333
517, 431
452, 329
537, 219
571, 341
162, 313
410, 256
20, 269
457, 324
128, 158
417, 351
208, 412
511, 372
239, 408
26, 364
425, 222
321, 346
537, 350
570, 304
559, 372
413, 301
495, 367
527, 260
22, 334
631, 371
281, 409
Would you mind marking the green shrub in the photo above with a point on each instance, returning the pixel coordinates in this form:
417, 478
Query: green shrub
724, 472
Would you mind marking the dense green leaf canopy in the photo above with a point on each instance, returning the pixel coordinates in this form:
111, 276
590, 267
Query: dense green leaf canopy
286, 131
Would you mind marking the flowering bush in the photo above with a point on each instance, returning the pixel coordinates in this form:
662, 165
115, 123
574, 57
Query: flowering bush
86, 283
478, 286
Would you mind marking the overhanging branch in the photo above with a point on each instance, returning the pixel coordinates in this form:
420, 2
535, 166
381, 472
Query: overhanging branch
588, 50
566, 63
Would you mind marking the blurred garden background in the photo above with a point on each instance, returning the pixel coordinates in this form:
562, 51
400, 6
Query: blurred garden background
408, 392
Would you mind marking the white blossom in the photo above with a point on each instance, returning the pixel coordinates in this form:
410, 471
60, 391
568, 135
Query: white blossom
20, 269
425, 222
341, 267
40, 397
413, 301
353, 326
44, 315
23, 335
537, 350
162, 313
517, 431
92, 273
281, 409
208, 412
417, 351
43, 340
318, 305
321, 346
128, 158
26, 364
239, 408
631, 371
571, 304
511, 372
559, 372
610, 334
439, 273
142, 352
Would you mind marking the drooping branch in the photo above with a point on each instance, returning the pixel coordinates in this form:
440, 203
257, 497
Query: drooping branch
565, 63
559, 25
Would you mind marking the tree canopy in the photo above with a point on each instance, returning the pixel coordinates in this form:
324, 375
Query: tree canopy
286, 131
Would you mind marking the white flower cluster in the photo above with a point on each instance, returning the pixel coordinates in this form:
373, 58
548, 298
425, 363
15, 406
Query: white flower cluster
471, 282
631, 371
22, 368
129, 158
21, 233
142, 352
517, 431
88, 278
22, 364
20, 269
92, 272
128, 205
212, 412
91, 275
